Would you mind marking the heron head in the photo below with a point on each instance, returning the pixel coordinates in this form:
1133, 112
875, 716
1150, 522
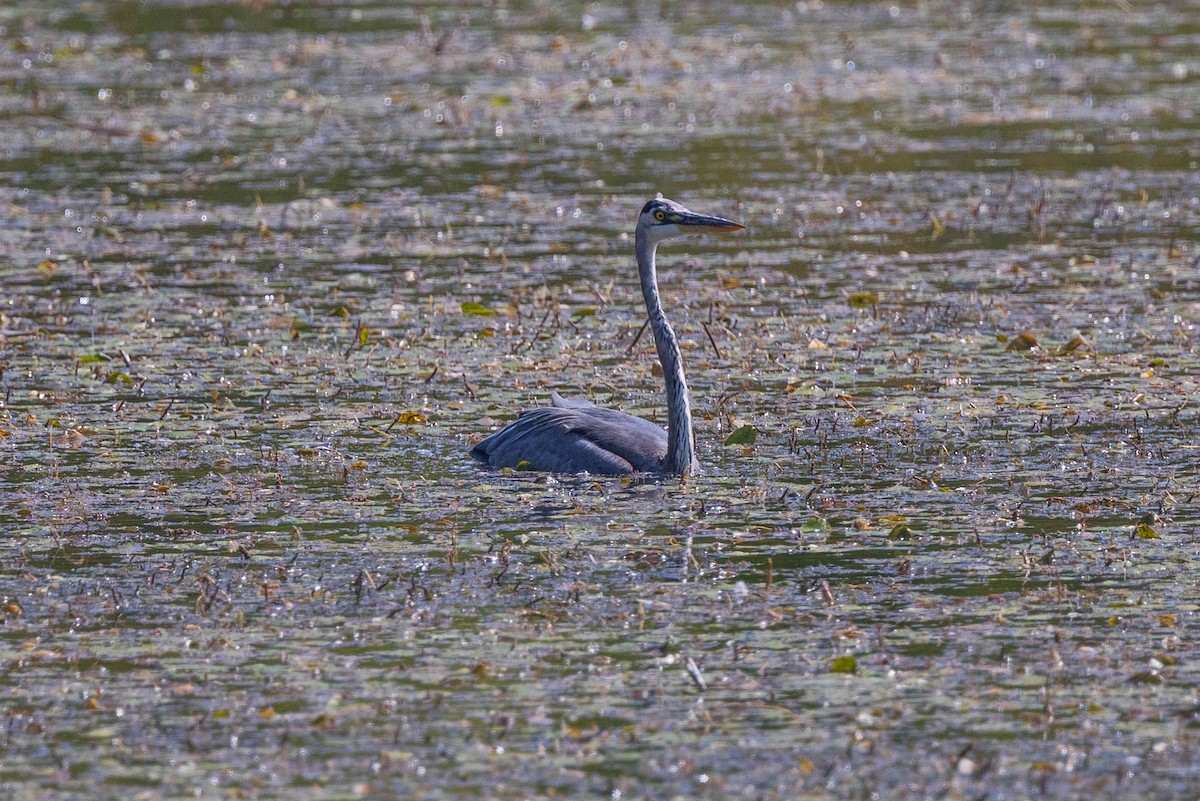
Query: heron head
664, 219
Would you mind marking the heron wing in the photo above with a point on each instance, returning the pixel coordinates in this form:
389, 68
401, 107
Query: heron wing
577, 439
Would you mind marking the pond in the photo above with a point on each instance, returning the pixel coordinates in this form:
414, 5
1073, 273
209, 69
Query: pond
268, 270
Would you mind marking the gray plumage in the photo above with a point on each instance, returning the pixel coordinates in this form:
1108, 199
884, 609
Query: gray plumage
577, 440
574, 436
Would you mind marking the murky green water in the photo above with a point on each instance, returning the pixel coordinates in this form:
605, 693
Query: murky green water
246, 554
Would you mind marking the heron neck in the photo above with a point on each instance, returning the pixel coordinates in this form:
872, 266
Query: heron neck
681, 447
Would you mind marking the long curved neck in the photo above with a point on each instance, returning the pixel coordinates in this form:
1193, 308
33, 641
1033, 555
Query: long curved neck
681, 446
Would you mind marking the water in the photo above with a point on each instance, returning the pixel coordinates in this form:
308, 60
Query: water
246, 553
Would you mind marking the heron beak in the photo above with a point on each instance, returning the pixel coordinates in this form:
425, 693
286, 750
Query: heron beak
703, 224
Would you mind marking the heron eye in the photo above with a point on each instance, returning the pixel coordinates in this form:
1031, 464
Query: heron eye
660, 215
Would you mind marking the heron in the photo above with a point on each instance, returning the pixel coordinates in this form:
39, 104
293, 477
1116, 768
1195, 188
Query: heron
576, 436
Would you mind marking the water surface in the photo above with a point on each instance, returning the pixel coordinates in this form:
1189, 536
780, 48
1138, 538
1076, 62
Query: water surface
246, 554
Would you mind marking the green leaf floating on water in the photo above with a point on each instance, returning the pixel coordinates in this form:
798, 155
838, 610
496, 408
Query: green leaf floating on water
1145, 532
743, 436
844, 664
477, 308
815, 523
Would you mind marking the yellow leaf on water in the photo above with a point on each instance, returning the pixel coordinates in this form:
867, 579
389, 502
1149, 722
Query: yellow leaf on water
411, 418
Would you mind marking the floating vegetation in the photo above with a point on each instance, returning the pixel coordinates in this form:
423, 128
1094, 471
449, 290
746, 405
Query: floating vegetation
846, 663
477, 309
270, 269
743, 435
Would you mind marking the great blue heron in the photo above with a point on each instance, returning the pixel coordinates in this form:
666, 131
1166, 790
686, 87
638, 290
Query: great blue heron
572, 436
